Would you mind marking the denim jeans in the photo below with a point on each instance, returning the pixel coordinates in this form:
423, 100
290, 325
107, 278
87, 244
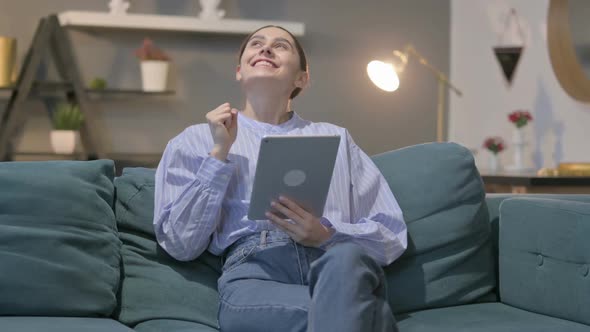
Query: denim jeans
271, 283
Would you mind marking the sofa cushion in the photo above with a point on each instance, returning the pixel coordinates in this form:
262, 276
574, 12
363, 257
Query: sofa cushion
449, 260
61, 324
156, 286
484, 317
59, 249
159, 325
544, 257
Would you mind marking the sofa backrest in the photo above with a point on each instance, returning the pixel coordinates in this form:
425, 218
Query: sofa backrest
59, 249
155, 285
449, 260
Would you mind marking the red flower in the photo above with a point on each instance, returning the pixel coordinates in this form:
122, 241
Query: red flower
520, 118
494, 144
149, 51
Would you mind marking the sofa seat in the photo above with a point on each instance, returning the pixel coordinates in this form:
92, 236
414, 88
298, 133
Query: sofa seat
158, 325
61, 324
484, 317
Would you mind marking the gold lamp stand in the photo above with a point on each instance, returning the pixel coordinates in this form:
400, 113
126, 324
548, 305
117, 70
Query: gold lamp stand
443, 82
385, 76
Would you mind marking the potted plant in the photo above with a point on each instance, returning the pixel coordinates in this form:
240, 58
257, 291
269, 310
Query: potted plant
154, 66
98, 83
519, 118
494, 145
67, 121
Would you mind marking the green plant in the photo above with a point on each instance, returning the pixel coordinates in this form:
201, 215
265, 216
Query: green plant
67, 116
98, 83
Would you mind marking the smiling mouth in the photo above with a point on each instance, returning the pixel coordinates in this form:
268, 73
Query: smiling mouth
264, 63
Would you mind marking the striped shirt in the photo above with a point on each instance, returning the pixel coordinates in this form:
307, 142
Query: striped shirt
202, 203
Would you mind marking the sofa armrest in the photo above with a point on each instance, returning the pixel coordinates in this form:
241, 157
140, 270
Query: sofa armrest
493, 202
544, 257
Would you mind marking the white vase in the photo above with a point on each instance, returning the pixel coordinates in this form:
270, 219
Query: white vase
493, 163
154, 74
119, 7
209, 10
518, 135
64, 141
518, 145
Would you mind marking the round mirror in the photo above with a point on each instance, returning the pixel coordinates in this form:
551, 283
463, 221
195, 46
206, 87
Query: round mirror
579, 11
568, 40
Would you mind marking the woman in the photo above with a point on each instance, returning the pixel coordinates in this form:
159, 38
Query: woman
314, 273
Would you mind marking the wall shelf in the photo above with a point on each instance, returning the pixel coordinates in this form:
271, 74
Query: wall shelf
48, 89
170, 23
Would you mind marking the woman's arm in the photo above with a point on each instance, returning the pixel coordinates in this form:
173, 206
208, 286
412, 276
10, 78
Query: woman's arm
188, 195
376, 220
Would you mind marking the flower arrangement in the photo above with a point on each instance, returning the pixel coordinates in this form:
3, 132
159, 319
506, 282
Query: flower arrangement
520, 118
494, 144
149, 51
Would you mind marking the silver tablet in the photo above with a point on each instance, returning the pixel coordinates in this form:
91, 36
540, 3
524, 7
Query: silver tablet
297, 167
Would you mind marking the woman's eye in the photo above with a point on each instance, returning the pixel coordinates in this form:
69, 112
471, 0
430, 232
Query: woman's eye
283, 46
255, 43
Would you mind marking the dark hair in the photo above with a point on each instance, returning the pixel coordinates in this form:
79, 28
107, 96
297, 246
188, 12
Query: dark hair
302, 58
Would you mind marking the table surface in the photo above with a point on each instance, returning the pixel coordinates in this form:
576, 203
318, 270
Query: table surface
530, 178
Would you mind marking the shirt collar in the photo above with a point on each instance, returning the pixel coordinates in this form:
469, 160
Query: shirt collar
268, 128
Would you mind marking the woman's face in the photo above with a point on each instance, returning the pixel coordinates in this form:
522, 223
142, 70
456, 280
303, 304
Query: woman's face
270, 59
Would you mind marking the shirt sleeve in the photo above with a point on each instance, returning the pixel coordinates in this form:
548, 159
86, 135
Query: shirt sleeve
189, 192
376, 220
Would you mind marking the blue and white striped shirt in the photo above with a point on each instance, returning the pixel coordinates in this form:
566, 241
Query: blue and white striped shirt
202, 203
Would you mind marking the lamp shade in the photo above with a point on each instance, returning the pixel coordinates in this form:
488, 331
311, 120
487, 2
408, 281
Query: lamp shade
383, 75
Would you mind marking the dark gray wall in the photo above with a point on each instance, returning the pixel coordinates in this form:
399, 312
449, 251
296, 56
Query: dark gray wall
341, 37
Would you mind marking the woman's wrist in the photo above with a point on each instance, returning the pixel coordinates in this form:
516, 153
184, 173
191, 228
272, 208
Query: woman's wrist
219, 153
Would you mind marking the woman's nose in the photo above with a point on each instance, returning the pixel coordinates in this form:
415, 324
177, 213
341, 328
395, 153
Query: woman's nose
266, 50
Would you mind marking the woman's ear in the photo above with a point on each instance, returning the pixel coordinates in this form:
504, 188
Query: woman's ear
238, 74
302, 80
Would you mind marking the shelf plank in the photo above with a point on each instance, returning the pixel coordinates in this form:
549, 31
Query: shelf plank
54, 87
170, 23
127, 92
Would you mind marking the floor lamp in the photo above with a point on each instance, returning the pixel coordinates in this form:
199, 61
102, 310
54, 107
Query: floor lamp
385, 76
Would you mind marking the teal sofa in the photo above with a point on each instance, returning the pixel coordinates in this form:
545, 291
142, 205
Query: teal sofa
78, 253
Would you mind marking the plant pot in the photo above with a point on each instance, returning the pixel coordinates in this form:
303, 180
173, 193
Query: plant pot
154, 74
64, 141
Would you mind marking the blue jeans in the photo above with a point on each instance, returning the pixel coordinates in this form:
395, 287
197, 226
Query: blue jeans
271, 283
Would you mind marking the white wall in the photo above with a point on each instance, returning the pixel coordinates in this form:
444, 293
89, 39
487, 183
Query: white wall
560, 131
